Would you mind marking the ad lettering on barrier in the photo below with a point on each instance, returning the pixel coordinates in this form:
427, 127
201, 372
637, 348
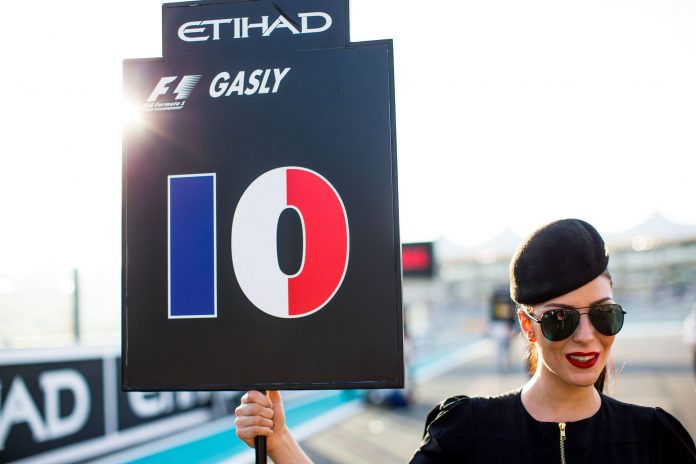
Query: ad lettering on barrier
47, 406
62, 409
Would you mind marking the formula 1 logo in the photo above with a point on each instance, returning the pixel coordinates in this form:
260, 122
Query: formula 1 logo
163, 88
325, 238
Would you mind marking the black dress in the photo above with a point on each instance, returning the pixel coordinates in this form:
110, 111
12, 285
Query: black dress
499, 430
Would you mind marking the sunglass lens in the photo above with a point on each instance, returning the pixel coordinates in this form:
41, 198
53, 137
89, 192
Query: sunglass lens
607, 319
559, 324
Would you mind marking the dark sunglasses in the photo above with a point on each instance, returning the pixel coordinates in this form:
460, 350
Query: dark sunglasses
559, 324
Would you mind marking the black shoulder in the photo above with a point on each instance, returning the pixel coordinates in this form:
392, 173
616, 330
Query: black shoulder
670, 440
442, 408
460, 411
627, 423
627, 412
455, 426
430, 450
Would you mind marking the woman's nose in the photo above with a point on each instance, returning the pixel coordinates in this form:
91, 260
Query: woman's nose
585, 331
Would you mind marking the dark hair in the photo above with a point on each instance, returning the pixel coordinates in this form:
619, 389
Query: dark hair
532, 356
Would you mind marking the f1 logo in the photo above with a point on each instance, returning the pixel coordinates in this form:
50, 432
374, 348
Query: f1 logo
325, 248
182, 91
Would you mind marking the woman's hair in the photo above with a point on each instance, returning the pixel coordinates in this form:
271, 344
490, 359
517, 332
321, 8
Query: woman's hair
533, 357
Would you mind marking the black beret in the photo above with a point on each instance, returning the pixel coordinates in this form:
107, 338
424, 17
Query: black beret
555, 259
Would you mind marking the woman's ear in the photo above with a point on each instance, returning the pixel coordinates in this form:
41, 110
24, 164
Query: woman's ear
525, 324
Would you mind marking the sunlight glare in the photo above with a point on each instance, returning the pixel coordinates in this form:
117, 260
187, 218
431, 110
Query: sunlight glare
132, 114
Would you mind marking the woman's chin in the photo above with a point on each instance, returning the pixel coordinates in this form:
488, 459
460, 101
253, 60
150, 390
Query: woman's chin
583, 379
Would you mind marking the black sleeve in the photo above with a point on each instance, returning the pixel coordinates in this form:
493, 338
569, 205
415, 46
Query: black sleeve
429, 452
674, 444
436, 424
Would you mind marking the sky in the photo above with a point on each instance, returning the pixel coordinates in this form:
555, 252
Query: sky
509, 114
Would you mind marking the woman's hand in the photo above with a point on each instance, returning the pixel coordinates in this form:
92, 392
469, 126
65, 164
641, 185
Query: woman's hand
261, 415
258, 415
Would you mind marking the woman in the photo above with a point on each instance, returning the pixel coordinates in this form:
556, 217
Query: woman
558, 275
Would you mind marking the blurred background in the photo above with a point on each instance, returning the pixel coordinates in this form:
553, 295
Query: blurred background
509, 115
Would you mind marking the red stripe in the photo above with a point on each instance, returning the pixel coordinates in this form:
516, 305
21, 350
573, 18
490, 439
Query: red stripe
326, 241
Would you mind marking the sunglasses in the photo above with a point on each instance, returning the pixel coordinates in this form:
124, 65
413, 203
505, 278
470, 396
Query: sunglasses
559, 324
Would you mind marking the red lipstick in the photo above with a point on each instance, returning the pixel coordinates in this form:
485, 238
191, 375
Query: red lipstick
582, 360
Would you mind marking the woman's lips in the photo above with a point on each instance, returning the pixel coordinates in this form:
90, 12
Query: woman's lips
582, 360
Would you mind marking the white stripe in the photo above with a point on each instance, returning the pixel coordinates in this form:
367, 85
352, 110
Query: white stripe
63, 355
447, 363
169, 249
164, 444
101, 445
215, 281
185, 87
254, 247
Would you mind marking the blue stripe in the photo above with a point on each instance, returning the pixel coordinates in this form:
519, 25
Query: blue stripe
192, 246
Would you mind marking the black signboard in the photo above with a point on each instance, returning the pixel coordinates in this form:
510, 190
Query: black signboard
260, 228
502, 307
